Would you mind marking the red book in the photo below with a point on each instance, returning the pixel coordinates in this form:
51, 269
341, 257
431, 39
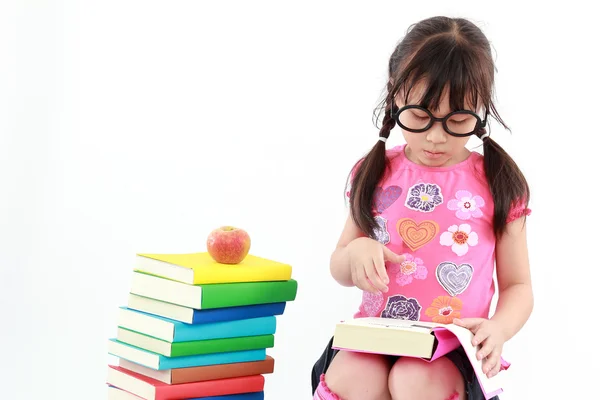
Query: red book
152, 389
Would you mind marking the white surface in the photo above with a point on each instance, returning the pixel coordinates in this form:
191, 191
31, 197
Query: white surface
139, 126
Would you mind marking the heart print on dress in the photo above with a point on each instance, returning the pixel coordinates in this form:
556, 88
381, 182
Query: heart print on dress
416, 235
454, 278
386, 197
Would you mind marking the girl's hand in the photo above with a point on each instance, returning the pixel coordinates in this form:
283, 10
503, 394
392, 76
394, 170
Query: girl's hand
489, 334
367, 264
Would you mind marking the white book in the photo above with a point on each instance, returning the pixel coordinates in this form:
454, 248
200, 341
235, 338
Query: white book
166, 290
118, 394
161, 308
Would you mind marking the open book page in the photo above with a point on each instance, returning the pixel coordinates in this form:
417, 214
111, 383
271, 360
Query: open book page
490, 386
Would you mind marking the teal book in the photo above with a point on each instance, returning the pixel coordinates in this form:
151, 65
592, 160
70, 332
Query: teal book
175, 331
212, 296
159, 362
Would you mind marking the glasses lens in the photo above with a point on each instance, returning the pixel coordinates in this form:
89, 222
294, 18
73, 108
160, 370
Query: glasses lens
414, 118
461, 123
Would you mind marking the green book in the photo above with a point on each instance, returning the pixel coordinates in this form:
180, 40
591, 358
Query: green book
197, 347
218, 295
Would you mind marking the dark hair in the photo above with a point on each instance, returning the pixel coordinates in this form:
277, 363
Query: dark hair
441, 52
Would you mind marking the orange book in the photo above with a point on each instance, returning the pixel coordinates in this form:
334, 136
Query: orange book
177, 376
152, 389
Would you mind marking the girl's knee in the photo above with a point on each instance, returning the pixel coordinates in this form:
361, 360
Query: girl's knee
413, 378
408, 374
359, 376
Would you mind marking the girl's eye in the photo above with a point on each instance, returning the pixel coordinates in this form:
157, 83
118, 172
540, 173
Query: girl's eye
420, 117
462, 121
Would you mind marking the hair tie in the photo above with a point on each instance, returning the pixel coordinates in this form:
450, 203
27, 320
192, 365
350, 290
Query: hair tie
486, 134
383, 139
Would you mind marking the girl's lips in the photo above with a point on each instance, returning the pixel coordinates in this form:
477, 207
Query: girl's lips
432, 155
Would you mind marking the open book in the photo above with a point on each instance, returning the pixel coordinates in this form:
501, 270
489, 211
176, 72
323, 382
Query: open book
426, 340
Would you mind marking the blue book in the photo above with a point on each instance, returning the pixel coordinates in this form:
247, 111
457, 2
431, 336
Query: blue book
174, 331
193, 316
159, 362
241, 396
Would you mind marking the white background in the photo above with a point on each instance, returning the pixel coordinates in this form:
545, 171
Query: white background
132, 126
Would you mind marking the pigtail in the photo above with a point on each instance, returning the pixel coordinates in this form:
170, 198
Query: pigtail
367, 173
507, 184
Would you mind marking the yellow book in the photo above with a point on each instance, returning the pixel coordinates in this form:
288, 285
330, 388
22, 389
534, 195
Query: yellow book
200, 268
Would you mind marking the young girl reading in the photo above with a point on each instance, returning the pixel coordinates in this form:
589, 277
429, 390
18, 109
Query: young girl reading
429, 221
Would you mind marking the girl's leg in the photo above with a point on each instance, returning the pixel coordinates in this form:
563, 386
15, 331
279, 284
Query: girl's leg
416, 379
358, 376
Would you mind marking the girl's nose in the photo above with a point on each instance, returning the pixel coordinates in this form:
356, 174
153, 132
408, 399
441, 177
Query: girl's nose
437, 134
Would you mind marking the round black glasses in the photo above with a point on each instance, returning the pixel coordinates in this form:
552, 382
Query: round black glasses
459, 123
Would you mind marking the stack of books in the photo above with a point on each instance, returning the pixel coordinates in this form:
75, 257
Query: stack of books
197, 329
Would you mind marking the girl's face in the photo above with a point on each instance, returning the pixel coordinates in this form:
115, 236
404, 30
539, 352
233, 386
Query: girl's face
434, 147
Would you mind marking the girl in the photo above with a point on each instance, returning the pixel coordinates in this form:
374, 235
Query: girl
428, 221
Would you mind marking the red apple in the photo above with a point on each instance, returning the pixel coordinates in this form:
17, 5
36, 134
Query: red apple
228, 245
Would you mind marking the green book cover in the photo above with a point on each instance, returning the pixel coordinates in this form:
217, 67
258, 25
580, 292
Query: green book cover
222, 345
196, 347
243, 294
212, 296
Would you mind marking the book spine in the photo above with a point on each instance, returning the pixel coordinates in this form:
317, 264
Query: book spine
211, 388
226, 329
241, 294
184, 375
235, 313
238, 275
222, 345
211, 359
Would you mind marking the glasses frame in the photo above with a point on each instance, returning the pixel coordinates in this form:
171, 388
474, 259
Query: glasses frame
480, 124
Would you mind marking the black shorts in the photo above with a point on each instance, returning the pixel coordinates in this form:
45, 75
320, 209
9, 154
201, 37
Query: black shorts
458, 357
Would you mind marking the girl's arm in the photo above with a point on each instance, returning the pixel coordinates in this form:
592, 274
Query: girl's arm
360, 261
340, 263
515, 297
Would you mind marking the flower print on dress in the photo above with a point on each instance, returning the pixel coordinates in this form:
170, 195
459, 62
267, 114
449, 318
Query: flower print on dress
372, 302
466, 205
411, 268
444, 309
380, 233
400, 307
460, 238
424, 197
